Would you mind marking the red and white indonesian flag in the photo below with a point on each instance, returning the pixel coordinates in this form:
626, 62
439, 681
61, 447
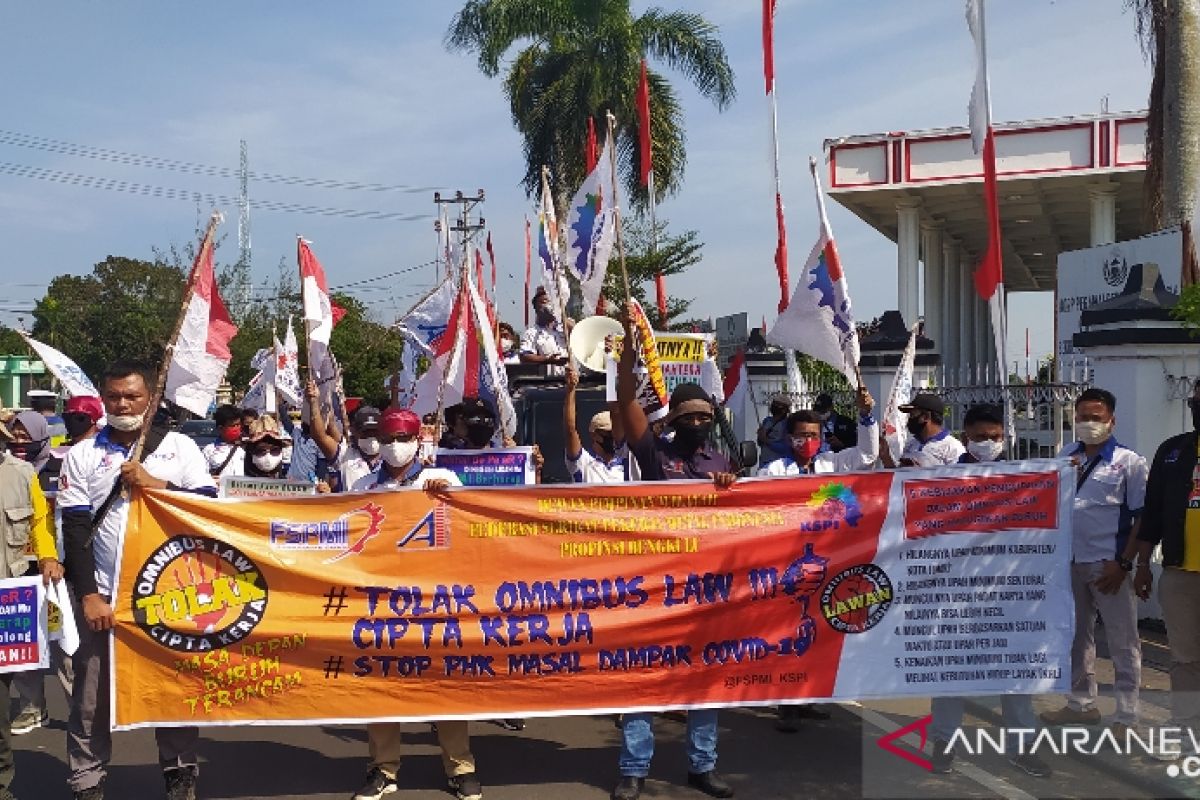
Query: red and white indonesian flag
819, 321
989, 276
73, 379
895, 421
737, 389
201, 353
320, 315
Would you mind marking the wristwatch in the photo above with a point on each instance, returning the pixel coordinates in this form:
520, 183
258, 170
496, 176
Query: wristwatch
1124, 563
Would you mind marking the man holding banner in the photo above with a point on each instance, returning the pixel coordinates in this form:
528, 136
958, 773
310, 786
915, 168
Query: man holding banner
94, 515
687, 456
401, 469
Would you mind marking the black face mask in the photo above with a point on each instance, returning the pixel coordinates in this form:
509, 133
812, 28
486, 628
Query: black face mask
606, 443
691, 437
1194, 405
27, 451
915, 425
480, 433
545, 316
77, 425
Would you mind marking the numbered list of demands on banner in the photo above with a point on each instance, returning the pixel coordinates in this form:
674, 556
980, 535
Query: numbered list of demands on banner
983, 575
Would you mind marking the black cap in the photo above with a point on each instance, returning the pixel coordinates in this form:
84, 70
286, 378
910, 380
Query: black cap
924, 402
475, 407
366, 417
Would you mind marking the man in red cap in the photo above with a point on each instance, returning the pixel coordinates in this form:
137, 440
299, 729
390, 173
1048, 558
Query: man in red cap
400, 468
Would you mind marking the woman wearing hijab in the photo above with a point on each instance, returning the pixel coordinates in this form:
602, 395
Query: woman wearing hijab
31, 443
31, 439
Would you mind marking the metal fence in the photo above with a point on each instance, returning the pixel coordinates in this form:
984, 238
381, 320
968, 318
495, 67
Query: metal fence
1043, 411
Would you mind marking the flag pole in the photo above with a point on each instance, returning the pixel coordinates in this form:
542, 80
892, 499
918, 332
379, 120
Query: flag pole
160, 384
612, 160
555, 266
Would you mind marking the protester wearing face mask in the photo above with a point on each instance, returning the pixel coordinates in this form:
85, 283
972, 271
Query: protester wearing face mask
839, 430
265, 446
25, 522
544, 342
983, 427
1172, 519
809, 454
352, 459
400, 469
224, 456
95, 470
510, 350
688, 456
31, 443
773, 432
607, 460
929, 444
1109, 496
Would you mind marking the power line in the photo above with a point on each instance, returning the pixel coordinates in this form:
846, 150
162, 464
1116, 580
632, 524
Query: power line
112, 184
25, 140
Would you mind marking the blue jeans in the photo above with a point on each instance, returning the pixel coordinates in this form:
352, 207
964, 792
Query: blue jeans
637, 742
1016, 711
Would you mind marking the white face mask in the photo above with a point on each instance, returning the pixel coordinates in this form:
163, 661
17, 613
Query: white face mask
1093, 432
369, 446
506, 344
397, 454
987, 450
126, 422
267, 462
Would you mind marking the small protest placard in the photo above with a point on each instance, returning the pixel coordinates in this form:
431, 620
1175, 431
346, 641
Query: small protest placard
23, 637
501, 466
244, 486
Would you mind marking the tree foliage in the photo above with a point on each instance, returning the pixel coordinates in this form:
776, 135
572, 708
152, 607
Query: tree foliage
672, 254
581, 59
127, 309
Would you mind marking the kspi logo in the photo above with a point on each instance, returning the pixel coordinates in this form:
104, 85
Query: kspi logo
856, 599
830, 506
195, 594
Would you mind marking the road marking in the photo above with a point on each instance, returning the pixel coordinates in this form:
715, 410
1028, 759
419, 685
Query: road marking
984, 778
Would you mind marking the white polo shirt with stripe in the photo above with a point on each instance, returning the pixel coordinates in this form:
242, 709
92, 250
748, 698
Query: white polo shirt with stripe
91, 469
1108, 502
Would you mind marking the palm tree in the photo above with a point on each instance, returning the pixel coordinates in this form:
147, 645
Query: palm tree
581, 59
1170, 35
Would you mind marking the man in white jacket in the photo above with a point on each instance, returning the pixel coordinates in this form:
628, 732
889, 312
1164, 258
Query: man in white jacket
811, 456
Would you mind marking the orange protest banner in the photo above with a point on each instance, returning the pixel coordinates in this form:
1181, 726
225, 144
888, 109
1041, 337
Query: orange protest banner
486, 603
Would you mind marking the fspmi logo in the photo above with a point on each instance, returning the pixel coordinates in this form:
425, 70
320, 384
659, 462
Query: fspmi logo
432, 532
347, 535
327, 535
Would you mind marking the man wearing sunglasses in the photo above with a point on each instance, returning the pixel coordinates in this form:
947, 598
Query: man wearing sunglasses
265, 445
399, 469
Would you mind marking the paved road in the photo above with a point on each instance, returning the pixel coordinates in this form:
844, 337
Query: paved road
575, 759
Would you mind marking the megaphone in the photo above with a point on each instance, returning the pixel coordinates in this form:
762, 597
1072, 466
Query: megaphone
587, 341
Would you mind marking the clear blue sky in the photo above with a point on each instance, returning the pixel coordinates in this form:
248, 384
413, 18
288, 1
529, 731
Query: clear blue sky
366, 92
